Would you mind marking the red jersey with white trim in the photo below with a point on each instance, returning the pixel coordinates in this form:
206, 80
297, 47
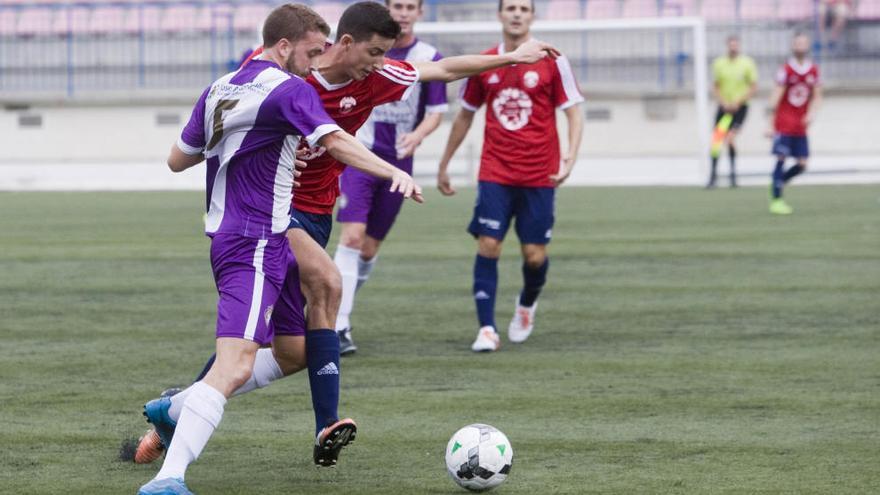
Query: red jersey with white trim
350, 105
520, 144
799, 81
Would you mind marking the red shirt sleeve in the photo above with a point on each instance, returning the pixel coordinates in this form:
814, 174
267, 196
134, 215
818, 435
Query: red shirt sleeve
472, 94
394, 81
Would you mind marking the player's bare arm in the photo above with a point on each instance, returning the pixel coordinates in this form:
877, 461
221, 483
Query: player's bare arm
815, 103
455, 68
408, 142
347, 149
575, 132
460, 127
772, 105
178, 160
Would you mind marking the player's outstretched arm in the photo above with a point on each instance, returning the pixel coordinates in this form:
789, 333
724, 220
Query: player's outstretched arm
460, 127
178, 161
454, 68
772, 106
815, 103
347, 149
408, 143
575, 132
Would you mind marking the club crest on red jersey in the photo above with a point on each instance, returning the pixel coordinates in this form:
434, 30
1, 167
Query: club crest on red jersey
347, 104
512, 108
531, 79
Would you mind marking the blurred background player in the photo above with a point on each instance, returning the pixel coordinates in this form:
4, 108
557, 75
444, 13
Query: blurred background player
520, 167
394, 131
833, 14
796, 99
736, 80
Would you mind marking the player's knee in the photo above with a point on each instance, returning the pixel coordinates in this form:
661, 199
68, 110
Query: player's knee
369, 251
290, 361
489, 247
237, 374
535, 259
352, 240
802, 166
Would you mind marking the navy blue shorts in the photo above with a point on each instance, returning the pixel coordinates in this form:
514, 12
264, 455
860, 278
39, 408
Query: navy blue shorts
794, 146
533, 208
318, 226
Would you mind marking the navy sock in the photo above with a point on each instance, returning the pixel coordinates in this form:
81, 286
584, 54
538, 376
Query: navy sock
732, 152
322, 357
778, 181
485, 285
792, 172
207, 368
533, 281
713, 171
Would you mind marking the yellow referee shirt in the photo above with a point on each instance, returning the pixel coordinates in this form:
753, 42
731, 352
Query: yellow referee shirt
734, 77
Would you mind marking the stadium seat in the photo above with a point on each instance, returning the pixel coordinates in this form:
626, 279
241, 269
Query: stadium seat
109, 19
602, 9
8, 18
718, 10
639, 8
796, 10
179, 18
34, 22
868, 10
753, 10
678, 8
330, 11
561, 10
250, 17
146, 17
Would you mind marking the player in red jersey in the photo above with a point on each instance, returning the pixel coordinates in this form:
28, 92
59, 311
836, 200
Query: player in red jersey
352, 77
796, 99
520, 167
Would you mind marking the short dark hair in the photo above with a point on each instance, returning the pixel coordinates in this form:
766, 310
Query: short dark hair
291, 22
364, 19
501, 5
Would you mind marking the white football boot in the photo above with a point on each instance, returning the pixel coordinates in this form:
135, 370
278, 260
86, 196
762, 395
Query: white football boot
523, 322
487, 340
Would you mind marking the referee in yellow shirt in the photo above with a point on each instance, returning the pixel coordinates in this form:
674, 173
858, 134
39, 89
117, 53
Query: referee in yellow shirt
736, 80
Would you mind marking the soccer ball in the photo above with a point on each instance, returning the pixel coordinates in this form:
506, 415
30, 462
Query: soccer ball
478, 457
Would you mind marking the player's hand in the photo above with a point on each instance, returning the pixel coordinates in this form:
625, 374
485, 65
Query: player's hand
533, 50
407, 144
808, 119
403, 183
564, 170
443, 184
298, 165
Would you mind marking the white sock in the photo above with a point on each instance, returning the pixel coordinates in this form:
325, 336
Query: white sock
202, 412
266, 371
347, 261
177, 401
365, 268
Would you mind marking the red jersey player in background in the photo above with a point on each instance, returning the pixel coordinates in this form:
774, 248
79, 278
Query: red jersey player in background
796, 99
520, 167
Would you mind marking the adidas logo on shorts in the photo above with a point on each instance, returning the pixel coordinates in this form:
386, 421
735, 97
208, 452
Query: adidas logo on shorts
329, 369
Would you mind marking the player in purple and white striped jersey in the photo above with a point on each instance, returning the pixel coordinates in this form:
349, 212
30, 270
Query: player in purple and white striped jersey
247, 125
394, 131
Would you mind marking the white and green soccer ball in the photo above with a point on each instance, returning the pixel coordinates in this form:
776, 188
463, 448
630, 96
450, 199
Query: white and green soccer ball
478, 457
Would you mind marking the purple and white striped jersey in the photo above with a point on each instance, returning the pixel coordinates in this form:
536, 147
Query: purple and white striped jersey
248, 124
390, 121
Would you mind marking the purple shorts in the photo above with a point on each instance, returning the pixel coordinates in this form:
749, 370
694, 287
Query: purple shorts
365, 199
249, 274
289, 317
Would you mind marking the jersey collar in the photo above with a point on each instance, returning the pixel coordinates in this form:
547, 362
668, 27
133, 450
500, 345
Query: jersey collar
326, 84
800, 68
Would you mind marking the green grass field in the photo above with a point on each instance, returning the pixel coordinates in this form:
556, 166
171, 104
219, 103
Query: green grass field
687, 342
